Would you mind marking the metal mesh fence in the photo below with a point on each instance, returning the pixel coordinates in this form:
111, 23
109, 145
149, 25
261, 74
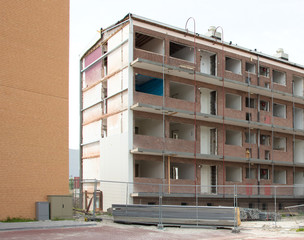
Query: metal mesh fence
271, 203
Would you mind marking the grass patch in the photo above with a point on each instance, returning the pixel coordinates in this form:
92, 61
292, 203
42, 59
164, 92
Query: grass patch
8, 220
300, 230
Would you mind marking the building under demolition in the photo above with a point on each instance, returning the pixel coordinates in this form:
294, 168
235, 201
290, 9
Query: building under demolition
164, 105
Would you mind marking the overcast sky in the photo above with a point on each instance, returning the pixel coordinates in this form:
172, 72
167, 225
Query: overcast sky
265, 25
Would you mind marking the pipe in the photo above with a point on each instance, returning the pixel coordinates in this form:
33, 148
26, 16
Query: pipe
80, 138
169, 180
223, 99
195, 99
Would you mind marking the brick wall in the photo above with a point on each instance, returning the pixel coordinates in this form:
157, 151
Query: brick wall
34, 104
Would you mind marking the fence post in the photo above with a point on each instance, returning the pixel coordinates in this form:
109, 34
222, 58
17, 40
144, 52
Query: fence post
160, 220
275, 206
127, 193
196, 203
94, 203
235, 228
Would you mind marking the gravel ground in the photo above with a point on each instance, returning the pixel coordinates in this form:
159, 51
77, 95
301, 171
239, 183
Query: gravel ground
285, 229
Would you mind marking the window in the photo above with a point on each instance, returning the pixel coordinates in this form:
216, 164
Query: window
250, 138
264, 105
250, 67
279, 110
233, 101
250, 173
181, 51
264, 173
264, 206
265, 140
279, 143
250, 102
233, 137
233, 65
264, 71
279, 77
250, 205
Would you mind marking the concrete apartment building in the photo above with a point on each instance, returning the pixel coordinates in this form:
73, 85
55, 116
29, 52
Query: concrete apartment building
164, 106
34, 45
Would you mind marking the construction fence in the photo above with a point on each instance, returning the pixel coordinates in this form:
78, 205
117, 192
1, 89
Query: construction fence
271, 203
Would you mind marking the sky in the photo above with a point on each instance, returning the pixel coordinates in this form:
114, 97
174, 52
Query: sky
265, 25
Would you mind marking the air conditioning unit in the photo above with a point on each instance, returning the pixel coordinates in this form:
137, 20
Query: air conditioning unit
280, 54
213, 33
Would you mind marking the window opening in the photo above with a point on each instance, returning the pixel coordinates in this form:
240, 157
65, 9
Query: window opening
279, 176
208, 101
267, 155
208, 62
233, 65
148, 43
233, 137
279, 110
279, 77
181, 171
265, 139
182, 91
250, 102
264, 105
250, 67
233, 101
181, 51
148, 84
264, 173
250, 138
248, 116
233, 174
279, 143
298, 85
250, 173
264, 71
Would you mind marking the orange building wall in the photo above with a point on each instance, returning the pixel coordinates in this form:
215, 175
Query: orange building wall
34, 46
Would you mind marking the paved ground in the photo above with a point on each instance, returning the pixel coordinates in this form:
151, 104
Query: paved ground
111, 231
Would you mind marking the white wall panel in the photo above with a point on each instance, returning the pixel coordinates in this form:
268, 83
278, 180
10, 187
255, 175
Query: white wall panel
91, 132
92, 96
91, 168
